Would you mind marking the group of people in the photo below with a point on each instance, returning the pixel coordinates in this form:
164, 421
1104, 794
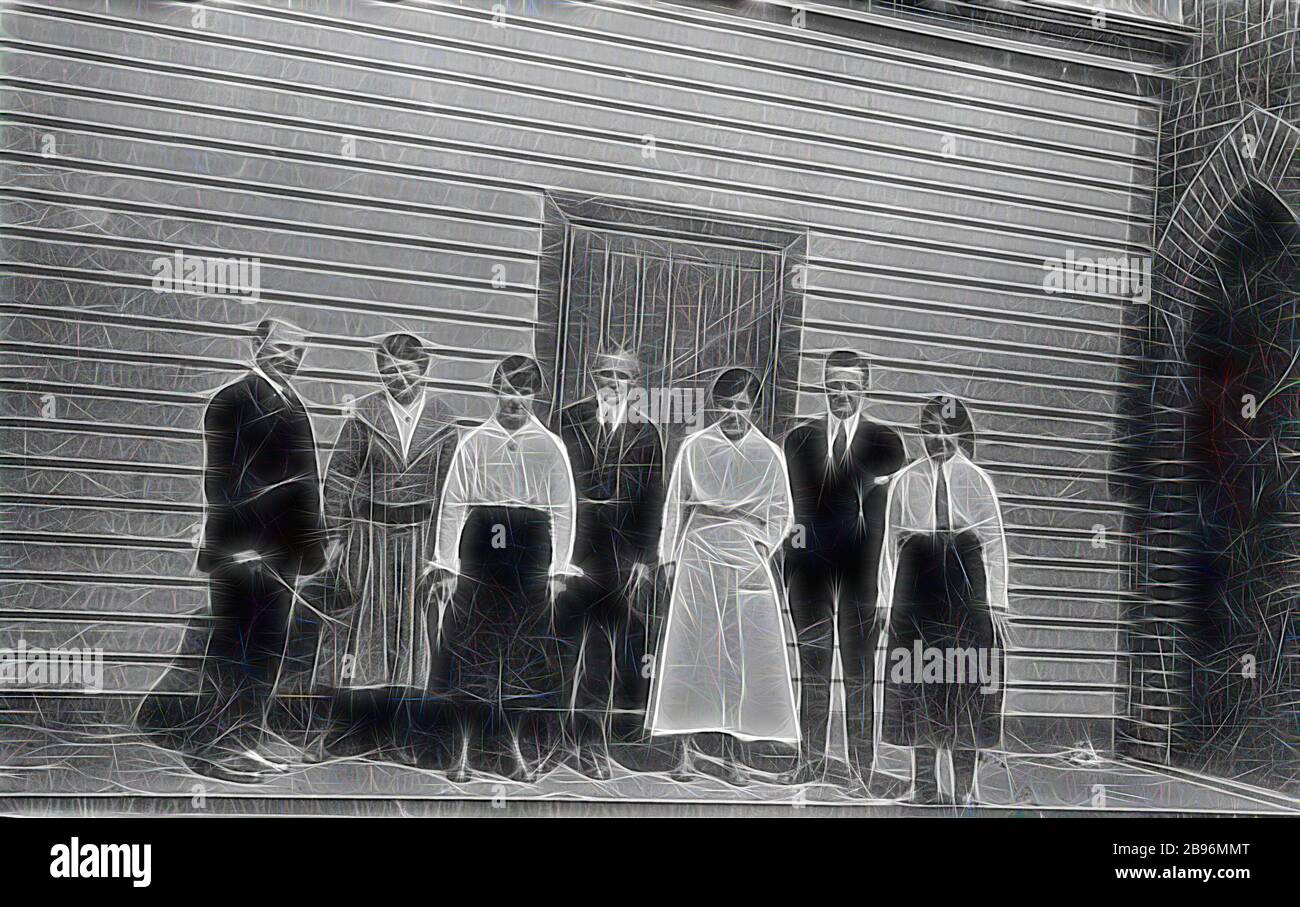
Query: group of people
511, 595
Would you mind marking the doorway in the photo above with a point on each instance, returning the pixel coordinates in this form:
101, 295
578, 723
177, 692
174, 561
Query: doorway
691, 295
1242, 432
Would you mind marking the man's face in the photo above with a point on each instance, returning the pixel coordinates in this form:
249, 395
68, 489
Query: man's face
282, 352
611, 387
401, 376
844, 387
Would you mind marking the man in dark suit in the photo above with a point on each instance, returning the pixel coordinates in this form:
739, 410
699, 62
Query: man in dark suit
839, 463
617, 457
263, 530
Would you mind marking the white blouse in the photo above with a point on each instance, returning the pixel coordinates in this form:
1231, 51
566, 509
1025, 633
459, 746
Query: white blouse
745, 479
493, 467
972, 505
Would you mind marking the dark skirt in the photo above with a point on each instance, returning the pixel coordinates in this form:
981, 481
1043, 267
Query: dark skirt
501, 644
939, 612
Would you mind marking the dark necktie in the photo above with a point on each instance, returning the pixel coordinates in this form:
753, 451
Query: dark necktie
604, 440
604, 455
839, 446
942, 519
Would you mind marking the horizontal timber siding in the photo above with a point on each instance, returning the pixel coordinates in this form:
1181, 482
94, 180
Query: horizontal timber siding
385, 162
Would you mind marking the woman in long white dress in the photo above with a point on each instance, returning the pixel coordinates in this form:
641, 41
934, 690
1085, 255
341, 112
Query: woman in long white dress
724, 664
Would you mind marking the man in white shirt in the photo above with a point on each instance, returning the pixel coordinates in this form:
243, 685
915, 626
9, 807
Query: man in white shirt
504, 549
839, 462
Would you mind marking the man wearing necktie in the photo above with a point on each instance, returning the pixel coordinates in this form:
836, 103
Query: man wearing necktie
617, 458
263, 530
839, 463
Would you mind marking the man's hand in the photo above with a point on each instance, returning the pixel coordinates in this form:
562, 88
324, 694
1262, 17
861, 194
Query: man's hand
1002, 627
666, 570
440, 591
333, 553
559, 584
560, 581
642, 575
442, 582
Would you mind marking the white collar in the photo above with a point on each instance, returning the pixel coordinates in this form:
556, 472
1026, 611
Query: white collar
833, 423
530, 426
406, 418
409, 412
717, 430
946, 465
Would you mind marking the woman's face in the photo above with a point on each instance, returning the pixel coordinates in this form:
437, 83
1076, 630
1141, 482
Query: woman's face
514, 405
940, 443
733, 413
401, 376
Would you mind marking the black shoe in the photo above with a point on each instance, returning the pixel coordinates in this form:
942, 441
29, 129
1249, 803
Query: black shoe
684, 773
804, 774
269, 761
926, 795
404, 755
233, 769
734, 775
523, 772
315, 752
594, 764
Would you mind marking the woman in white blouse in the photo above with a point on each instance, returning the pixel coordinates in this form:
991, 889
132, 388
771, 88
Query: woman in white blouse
943, 594
724, 665
504, 546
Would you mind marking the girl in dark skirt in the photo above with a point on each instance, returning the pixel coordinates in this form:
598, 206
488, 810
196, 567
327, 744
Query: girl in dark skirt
504, 547
943, 585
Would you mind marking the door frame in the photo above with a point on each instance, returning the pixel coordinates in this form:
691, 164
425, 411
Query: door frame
563, 212
1159, 725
